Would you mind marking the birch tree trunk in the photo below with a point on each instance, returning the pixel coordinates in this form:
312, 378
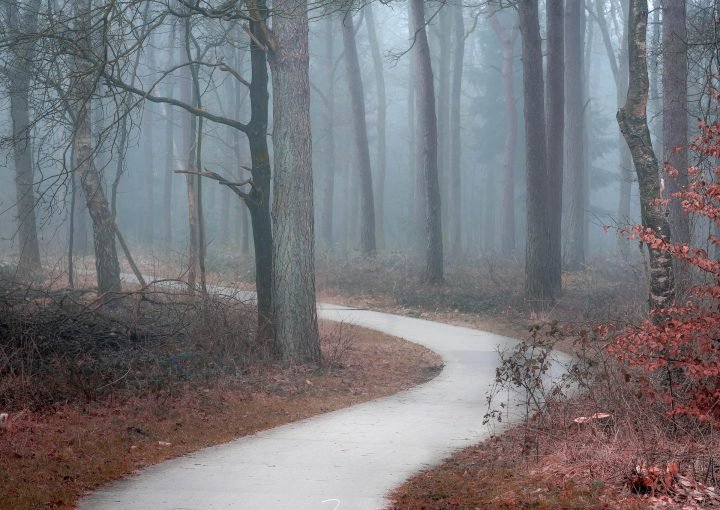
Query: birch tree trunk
106, 260
632, 119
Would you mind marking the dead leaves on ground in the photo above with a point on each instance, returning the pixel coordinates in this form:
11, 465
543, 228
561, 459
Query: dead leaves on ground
667, 487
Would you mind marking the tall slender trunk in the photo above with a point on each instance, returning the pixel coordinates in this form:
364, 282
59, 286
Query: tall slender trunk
19, 64
106, 260
444, 29
295, 312
537, 244
148, 230
169, 150
675, 118
25, 195
357, 98
418, 192
555, 133
632, 118
427, 156
381, 157
455, 174
507, 39
326, 217
258, 202
575, 89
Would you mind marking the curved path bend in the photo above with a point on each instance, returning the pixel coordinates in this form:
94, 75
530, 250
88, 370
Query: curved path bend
344, 460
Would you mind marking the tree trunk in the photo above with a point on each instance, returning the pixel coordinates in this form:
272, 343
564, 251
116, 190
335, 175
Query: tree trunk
537, 243
675, 119
444, 28
189, 138
381, 157
455, 195
106, 260
148, 230
27, 226
21, 60
258, 202
632, 118
295, 313
326, 218
555, 133
575, 89
357, 98
418, 193
427, 156
507, 39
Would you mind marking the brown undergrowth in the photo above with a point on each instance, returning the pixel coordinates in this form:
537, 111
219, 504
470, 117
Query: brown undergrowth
637, 457
89, 401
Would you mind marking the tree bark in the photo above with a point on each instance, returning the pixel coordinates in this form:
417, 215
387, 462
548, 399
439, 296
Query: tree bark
357, 98
455, 174
427, 146
444, 29
381, 156
675, 117
295, 313
507, 40
106, 260
18, 70
555, 137
418, 193
632, 119
326, 218
576, 172
537, 244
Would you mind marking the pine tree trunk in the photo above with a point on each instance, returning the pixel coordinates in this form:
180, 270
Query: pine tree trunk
19, 63
675, 118
295, 313
381, 157
575, 88
632, 119
455, 174
507, 40
357, 98
537, 244
326, 218
427, 145
555, 133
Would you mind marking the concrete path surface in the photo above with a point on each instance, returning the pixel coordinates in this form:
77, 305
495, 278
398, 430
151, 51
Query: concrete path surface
344, 460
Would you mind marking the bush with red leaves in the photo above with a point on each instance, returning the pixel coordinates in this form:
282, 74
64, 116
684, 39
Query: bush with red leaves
682, 343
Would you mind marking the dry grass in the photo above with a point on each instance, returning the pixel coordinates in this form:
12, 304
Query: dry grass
51, 457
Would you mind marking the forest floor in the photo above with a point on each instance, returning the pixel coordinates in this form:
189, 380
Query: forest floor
637, 458
66, 436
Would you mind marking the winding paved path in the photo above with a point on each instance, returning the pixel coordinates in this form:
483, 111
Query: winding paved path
344, 460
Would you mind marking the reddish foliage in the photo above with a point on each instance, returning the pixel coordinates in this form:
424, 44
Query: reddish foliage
683, 341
